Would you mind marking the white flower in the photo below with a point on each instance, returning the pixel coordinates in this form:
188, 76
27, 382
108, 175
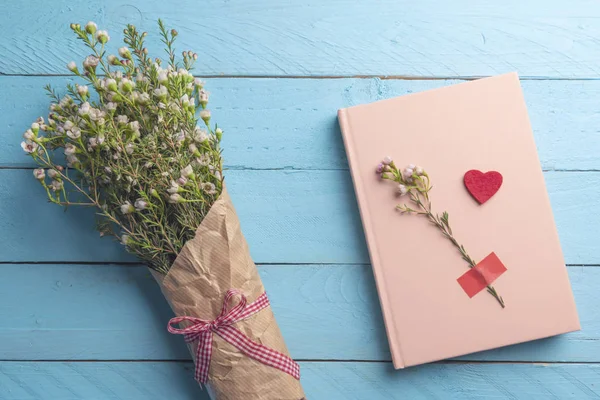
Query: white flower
205, 115
161, 91
203, 160
141, 204
84, 109
127, 208
124, 239
112, 59
110, 106
179, 137
419, 171
35, 127
203, 98
39, 174
70, 149
174, 187
185, 100
200, 135
182, 180
102, 36
129, 148
56, 185
193, 149
74, 133
199, 83
163, 77
72, 66
187, 172
82, 90
29, 147
209, 188
410, 166
387, 160
176, 198
111, 84
122, 119
126, 85
402, 190
407, 173
52, 173
124, 52
144, 98
28, 135
72, 160
135, 126
68, 125
91, 62
91, 27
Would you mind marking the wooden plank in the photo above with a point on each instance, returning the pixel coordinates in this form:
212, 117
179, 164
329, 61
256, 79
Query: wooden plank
326, 312
288, 217
267, 37
331, 381
291, 123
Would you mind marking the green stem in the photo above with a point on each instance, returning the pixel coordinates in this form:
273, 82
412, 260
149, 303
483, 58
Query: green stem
447, 232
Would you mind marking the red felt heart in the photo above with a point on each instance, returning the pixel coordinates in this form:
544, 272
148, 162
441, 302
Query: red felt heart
482, 186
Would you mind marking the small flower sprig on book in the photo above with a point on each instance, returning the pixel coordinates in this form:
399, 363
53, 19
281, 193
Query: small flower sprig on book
414, 182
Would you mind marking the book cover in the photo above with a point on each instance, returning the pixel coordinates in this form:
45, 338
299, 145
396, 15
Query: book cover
473, 141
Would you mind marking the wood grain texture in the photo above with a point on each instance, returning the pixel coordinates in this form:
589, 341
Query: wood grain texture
292, 123
321, 380
326, 312
287, 217
341, 37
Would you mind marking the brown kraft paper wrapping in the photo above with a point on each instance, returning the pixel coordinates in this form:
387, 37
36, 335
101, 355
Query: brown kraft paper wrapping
215, 260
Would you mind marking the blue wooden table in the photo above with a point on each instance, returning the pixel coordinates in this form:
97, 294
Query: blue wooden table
80, 319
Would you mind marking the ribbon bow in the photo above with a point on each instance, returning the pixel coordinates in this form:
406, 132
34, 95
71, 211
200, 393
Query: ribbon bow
202, 331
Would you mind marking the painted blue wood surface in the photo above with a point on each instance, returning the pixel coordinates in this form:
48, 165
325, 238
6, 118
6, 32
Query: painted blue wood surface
120, 310
96, 331
288, 216
424, 38
323, 381
292, 123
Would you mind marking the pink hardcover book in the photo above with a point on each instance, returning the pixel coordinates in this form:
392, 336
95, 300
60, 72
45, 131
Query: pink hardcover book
435, 304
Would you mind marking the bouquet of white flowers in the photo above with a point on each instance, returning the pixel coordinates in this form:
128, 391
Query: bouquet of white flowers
133, 150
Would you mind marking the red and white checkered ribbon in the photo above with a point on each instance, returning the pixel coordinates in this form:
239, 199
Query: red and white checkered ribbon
202, 331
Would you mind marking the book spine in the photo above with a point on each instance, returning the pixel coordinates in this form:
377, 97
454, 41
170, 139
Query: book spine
390, 326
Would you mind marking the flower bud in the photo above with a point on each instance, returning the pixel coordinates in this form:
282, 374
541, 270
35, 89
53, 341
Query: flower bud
205, 115
124, 52
35, 127
154, 193
28, 135
53, 174
402, 190
188, 172
176, 198
39, 174
141, 204
219, 133
113, 60
91, 27
387, 160
82, 90
124, 239
72, 67
127, 208
163, 77
102, 36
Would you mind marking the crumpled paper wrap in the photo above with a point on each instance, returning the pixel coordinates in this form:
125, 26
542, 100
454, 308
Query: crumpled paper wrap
216, 260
